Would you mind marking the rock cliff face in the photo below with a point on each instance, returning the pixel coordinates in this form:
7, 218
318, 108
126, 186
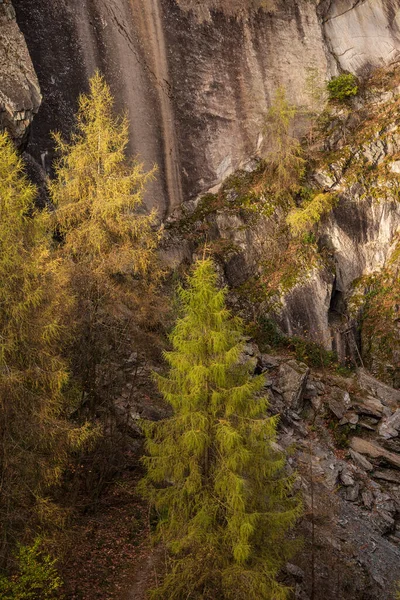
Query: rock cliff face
19, 88
362, 34
68, 41
196, 82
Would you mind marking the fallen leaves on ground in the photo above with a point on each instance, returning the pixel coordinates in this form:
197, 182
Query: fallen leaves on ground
106, 551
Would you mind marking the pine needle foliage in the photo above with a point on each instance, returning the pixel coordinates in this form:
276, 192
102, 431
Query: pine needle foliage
108, 240
220, 490
285, 160
34, 431
302, 219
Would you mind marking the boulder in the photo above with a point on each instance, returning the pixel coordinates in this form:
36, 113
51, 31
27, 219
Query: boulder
352, 492
384, 522
388, 475
360, 460
367, 499
293, 377
386, 394
20, 96
369, 406
352, 418
346, 478
269, 362
369, 425
251, 349
390, 427
374, 451
339, 402
310, 391
391, 444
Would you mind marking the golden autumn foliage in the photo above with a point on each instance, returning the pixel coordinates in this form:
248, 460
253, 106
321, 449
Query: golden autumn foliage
108, 240
36, 437
285, 162
302, 219
98, 192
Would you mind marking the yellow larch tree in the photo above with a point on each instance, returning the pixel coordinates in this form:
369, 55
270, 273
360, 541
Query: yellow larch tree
107, 239
35, 434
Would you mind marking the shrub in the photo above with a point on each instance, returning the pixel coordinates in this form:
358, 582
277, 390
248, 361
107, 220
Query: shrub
307, 351
310, 352
36, 578
342, 87
341, 434
267, 333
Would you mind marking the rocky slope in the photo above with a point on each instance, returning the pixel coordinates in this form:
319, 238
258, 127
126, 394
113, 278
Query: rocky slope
345, 431
341, 434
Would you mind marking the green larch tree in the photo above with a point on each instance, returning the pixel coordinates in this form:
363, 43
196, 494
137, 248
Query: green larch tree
35, 435
223, 499
107, 239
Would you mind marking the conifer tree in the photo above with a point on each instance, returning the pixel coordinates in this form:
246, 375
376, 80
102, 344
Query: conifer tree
285, 158
107, 239
35, 436
223, 499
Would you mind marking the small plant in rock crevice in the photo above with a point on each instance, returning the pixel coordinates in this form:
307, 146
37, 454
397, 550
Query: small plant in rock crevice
342, 87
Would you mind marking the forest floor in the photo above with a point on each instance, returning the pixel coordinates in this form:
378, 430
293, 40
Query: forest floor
109, 555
